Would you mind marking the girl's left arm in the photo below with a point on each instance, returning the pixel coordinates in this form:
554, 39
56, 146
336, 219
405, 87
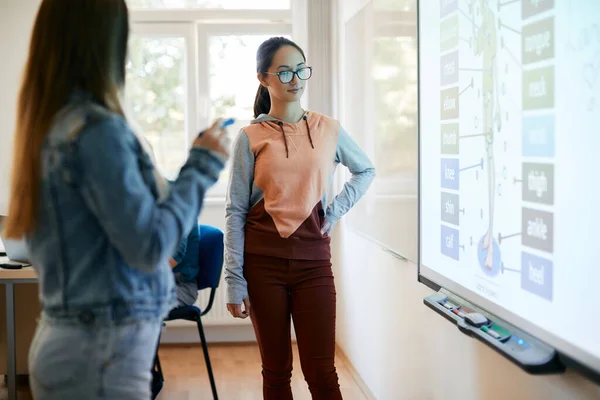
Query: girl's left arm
349, 154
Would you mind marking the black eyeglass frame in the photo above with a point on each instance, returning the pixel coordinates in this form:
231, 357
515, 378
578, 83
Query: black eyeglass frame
293, 73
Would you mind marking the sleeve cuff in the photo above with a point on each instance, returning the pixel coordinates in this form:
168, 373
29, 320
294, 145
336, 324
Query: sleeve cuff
207, 161
236, 295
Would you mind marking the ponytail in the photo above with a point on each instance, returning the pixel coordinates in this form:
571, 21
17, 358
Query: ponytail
262, 103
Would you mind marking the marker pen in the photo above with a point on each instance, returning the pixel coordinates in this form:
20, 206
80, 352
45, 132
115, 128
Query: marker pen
490, 332
227, 122
449, 305
458, 312
224, 124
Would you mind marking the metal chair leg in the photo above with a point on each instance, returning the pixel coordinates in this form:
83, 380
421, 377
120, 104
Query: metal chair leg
158, 367
213, 386
158, 378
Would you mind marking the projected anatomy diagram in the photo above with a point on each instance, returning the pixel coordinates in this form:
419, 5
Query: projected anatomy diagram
497, 138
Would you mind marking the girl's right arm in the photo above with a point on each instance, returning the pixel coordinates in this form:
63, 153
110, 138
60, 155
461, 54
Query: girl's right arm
142, 229
237, 207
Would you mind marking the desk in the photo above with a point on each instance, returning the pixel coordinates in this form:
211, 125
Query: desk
8, 278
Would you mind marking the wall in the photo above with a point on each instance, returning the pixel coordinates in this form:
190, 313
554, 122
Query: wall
403, 350
400, 348
16, 21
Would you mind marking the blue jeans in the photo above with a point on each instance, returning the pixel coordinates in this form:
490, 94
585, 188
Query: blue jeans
71, 360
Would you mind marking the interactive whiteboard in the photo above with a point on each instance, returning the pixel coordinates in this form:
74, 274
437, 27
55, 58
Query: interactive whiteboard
509, 146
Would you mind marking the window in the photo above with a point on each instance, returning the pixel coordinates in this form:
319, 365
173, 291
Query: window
394, 80
380, 100
182, 75
381, 81
160, 91
226, 4
156, 95
395, 5
233, 84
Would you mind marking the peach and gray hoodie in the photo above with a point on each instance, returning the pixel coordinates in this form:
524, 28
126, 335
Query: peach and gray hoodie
277, 196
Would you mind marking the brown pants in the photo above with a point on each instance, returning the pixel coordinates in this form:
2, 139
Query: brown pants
304, 290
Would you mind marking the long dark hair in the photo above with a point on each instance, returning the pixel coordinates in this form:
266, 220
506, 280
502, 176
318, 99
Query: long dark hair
264, 59
75, 44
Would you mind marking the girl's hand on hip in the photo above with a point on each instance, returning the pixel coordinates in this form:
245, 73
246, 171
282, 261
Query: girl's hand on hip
326, 229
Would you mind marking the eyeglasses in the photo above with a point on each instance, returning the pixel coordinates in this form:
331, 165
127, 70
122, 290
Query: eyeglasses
287, 76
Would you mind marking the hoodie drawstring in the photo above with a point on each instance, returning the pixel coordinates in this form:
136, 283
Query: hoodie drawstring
287, 152
308, 129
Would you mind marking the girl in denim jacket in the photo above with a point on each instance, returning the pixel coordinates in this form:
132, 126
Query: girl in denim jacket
84, 195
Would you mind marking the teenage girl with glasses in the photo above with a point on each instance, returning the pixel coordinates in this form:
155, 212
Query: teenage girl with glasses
278, 221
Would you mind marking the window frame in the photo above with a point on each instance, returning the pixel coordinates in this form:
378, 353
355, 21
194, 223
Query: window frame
187, 31
204, 34
209, 15
197, 26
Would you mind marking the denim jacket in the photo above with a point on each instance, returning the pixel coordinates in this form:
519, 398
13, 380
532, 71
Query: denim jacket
102, 240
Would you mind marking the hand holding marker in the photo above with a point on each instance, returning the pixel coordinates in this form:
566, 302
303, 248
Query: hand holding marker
224, 124
215, 138
227, 122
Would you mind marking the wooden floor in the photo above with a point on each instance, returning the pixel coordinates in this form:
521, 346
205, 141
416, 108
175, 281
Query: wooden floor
237, 373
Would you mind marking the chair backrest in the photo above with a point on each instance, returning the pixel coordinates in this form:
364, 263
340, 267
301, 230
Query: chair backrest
209, 256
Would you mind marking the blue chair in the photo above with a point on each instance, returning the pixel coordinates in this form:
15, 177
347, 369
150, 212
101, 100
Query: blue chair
205, 246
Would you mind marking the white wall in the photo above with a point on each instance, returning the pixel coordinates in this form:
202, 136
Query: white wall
16, 22
403, 350
399, 347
